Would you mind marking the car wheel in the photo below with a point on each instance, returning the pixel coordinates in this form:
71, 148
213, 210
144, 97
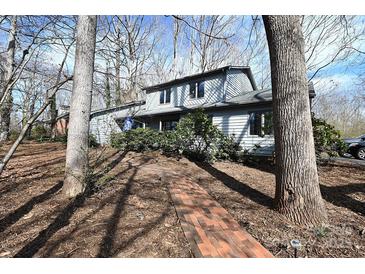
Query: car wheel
361, 153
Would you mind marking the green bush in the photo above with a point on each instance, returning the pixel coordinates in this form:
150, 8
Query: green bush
40, 133
60, 138
92, 141
136, 140
199, 139
195, 136
326, 138
13, 134
228, 148
63, 139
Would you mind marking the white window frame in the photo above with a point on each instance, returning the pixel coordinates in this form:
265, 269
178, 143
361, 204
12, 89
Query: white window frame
196, 90
164, 96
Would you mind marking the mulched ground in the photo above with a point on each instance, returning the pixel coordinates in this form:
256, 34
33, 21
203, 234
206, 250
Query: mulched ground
131, 213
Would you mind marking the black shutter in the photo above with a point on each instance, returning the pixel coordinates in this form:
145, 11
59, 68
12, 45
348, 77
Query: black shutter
162, 97
168, 96
192, 90
201, 89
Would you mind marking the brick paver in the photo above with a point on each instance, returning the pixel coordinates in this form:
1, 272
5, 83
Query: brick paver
209, 228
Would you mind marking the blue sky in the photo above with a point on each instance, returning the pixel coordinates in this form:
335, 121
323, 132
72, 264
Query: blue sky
345, 73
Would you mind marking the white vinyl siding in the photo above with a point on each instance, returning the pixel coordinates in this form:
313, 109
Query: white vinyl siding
213, 92
102, 127
104, 124
237, 83
236, 123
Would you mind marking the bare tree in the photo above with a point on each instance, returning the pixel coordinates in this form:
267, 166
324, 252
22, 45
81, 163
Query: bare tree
329, 39
297, 193
76, 169
6, 95
208, 36
26, 127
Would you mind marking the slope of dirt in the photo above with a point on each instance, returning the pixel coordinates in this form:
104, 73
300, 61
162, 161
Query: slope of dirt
247, 193
131, 213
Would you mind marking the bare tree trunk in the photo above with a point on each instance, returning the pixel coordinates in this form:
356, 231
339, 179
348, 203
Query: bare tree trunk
53, 114
76, 169
176, 37
297, 193
118, 63
107, 87
5, 109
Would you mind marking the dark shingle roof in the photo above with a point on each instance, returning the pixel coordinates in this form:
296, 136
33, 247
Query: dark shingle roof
202, 75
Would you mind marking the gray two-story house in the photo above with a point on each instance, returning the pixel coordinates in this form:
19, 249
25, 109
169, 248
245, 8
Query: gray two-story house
229, 96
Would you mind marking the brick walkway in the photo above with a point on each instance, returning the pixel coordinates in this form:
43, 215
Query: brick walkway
209, 228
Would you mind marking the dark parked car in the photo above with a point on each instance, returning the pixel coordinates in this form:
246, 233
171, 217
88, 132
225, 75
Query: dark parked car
356, 147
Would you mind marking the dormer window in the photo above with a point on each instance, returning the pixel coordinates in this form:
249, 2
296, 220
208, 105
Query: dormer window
196, 90
165, 96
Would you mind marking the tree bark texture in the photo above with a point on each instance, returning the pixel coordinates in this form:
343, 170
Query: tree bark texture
5, 109
76, 169
297, 194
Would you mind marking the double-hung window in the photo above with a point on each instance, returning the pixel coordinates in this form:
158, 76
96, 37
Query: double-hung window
197, 90
169, 125
165, 96
261, 123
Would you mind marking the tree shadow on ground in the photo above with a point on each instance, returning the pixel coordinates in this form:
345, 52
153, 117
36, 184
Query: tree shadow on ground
60, 221
108, 239
245, 190
22, 183
52, 162
36, 152
109, 167
338, 196
13, 217
100, 160
147, 228
107, 248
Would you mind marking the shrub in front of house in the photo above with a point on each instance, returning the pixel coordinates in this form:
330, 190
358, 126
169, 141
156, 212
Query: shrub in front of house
200, 140
138, 140
327, 139
195, 137
63, 139
40, 133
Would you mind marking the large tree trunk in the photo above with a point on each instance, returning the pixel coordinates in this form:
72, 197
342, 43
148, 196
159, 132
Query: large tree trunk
297, 193
5, 109
76, 169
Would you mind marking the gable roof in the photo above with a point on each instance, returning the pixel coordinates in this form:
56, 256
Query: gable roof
104, 110
193, 77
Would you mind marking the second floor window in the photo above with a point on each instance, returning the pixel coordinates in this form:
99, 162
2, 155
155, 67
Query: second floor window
261, 123
197, 90
165, 96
